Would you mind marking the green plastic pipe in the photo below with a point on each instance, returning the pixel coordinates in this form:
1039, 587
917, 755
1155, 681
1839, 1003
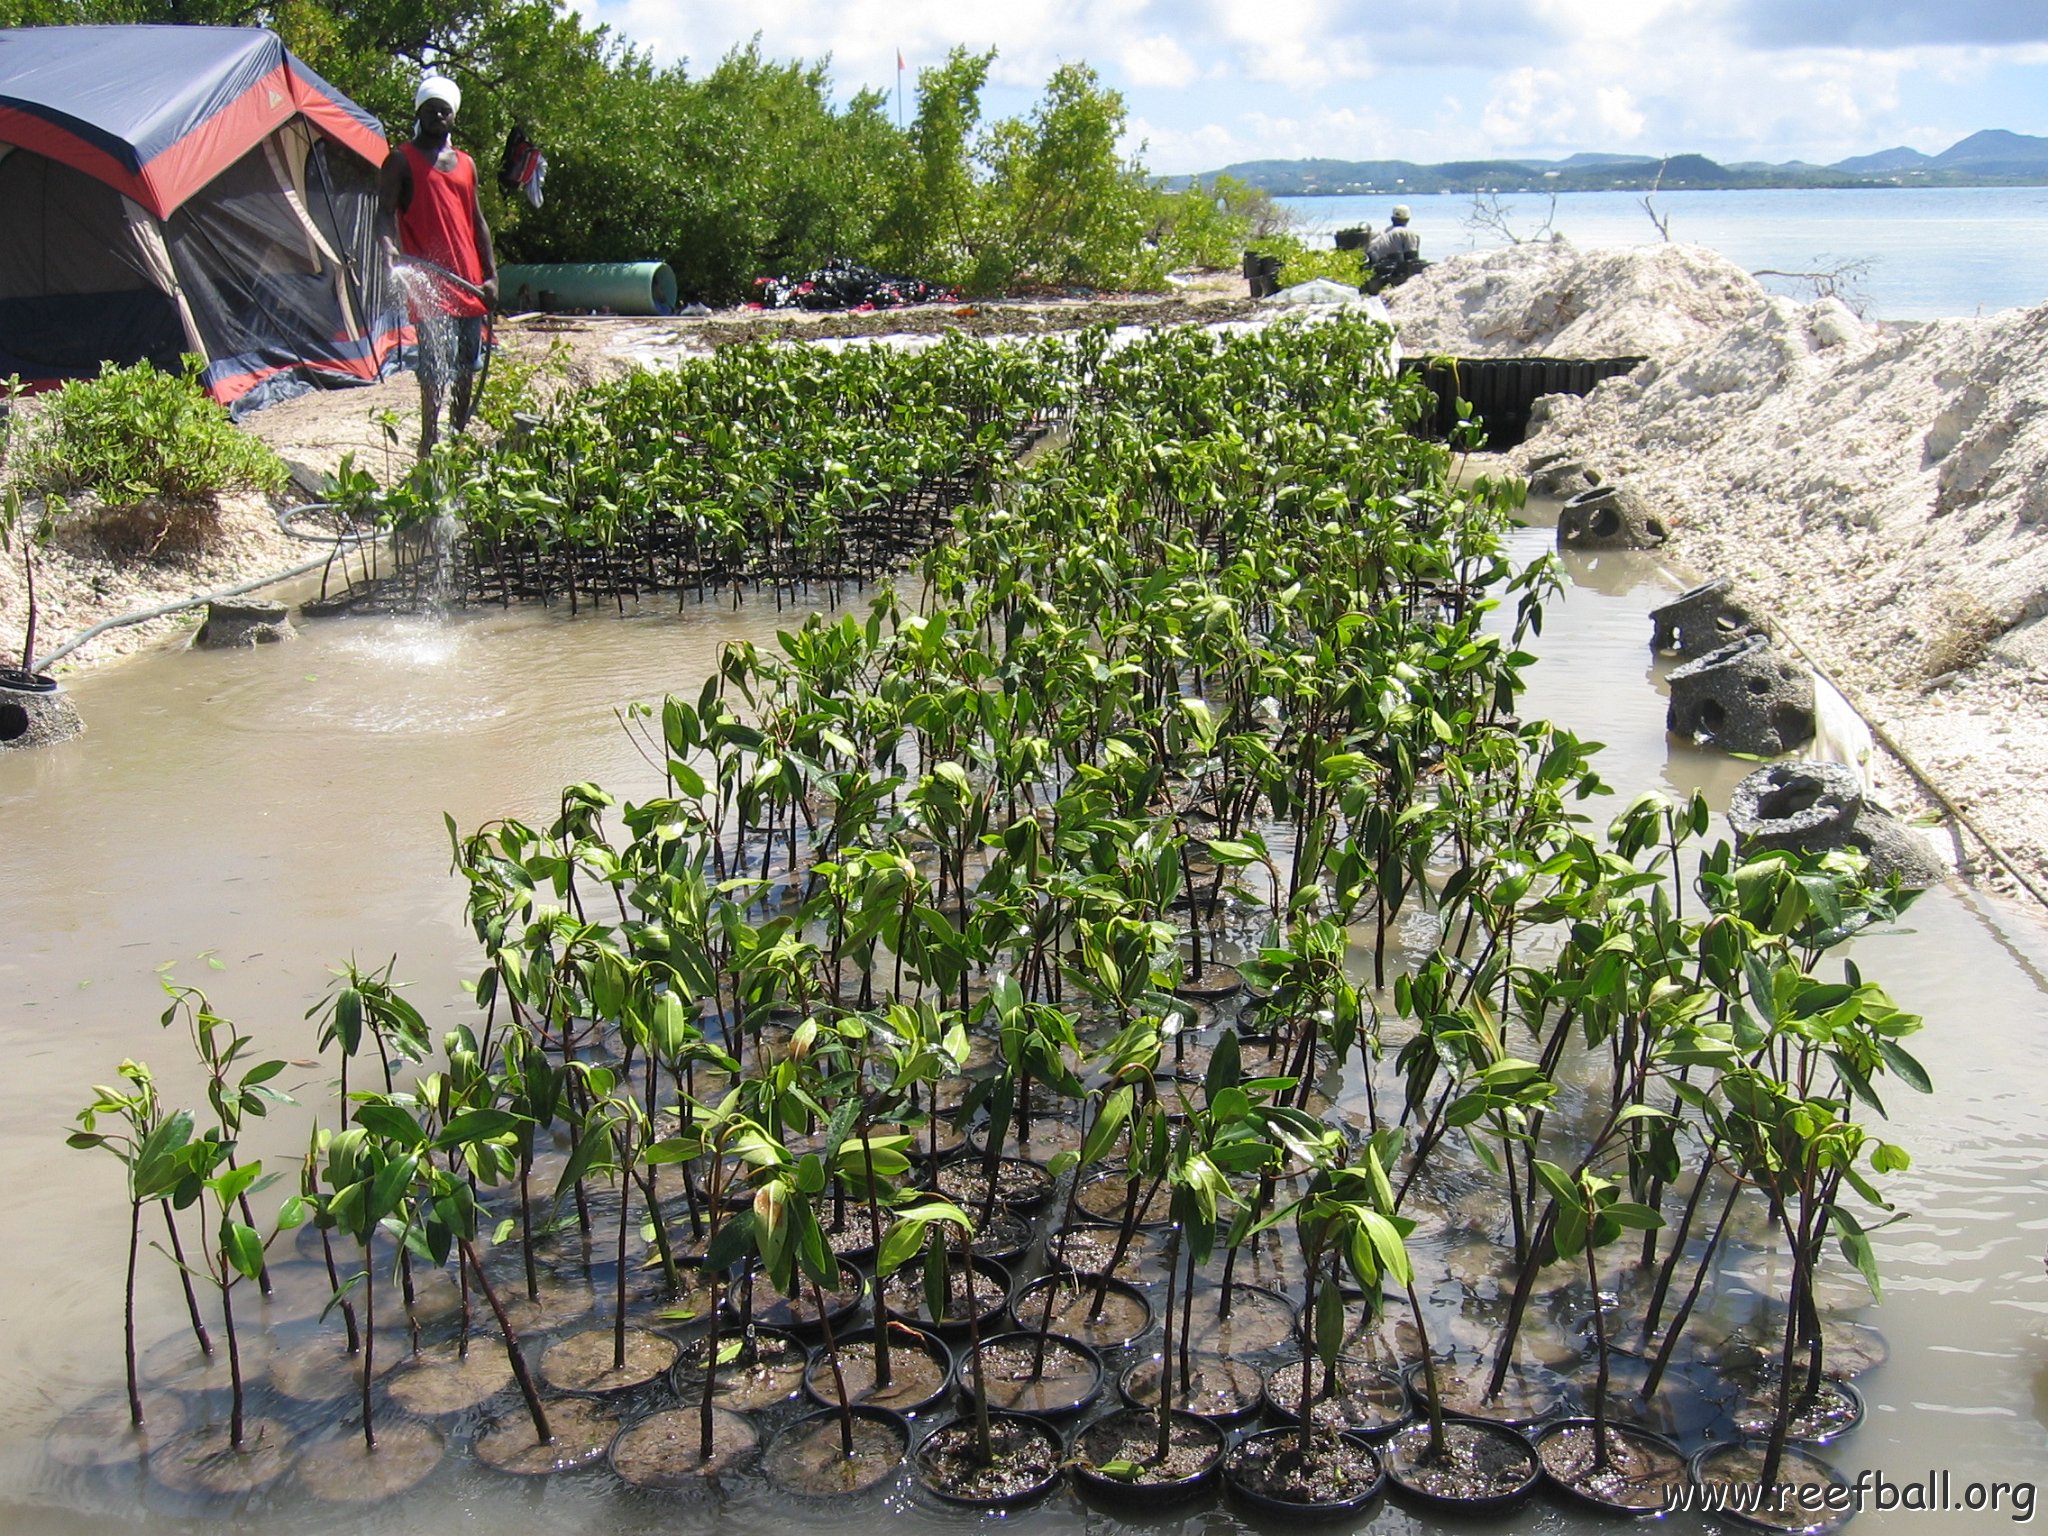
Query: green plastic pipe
622, 287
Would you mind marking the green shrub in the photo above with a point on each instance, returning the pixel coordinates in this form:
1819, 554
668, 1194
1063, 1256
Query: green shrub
1300, 262
135, 436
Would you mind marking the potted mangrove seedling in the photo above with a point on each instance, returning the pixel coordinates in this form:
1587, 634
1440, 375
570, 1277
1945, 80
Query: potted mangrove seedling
986, 1458
1617, 1468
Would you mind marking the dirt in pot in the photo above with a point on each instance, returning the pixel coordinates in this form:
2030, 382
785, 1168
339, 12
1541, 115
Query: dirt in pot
1803, 1488
342, 1470
810, 1458
1357, 1395
582, 1429
753, 1372
665, 1451
1010, 1367
1258, 1320
1831, 1412
916, 1376
1215, 1388
1476, 1464
1001, 1236
904, 1294
774, 1310
585, 1362
1640, 1473
1528, 1393
200, 1461
1120, 1317
1105, 1197
1128, 1443
443, 1378
1087, 1250
1018, 1184
1023, 1458
103, 1434
1336, 1470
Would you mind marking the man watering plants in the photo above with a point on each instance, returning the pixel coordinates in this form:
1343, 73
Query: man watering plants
440, 252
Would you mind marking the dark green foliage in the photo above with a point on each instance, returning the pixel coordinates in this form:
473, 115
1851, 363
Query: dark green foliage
137, 435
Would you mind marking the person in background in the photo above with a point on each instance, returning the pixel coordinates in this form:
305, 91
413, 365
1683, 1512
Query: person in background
1395, 253
427, 208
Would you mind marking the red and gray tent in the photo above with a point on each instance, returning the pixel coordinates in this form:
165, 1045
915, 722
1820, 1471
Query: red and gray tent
170, 190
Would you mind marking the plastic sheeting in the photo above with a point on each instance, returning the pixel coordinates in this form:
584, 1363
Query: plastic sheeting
844, 285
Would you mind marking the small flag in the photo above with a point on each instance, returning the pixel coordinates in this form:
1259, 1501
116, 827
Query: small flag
899, 61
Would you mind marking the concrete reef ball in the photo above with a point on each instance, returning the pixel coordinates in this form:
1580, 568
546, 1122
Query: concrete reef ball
1701, 620
1560, 474
1744, 697
229, 624
1813, 807
35, 716
1609, 517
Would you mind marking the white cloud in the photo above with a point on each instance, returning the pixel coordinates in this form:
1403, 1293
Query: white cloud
1157, 61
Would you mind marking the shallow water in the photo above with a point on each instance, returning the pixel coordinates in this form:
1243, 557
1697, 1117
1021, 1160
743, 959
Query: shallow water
249, 818
1931, 252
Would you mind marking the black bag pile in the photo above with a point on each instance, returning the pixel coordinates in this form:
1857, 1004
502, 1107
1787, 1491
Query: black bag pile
846, 285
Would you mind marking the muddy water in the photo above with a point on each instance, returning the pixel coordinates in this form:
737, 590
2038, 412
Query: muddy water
246, 819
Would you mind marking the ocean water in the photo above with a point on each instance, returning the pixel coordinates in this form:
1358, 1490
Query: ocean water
1930, 252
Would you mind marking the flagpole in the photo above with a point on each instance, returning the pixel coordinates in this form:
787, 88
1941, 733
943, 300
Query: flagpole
899, 90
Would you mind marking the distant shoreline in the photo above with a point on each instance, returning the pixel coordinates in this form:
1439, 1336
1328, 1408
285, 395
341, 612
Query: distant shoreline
1544, 188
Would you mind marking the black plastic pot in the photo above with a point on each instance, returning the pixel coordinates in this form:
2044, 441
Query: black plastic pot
777, 1312
1649, 1500
1387, 1391
1086, 1390
1278, 1441
991, 1290
877, 1424
1714, 1464
1030, 1179
1753, 1419
1006, 1239
1405, 1445
657, 1454
27, 682
925, 1464
686, 1379
1128, 1387
1152, 1493
904, 1339
1029, 1305
1545, 1395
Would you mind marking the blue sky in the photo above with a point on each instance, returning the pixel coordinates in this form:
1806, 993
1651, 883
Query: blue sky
1210, 82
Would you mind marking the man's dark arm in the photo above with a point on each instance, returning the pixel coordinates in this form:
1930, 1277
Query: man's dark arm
394, 196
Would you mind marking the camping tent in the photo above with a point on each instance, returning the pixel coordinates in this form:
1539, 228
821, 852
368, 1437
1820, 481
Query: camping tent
187, 189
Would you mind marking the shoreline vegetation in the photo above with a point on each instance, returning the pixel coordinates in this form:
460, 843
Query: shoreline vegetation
1991, 158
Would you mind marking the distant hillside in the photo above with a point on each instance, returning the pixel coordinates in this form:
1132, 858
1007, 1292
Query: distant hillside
1996, 151
1900, 159
1993, 156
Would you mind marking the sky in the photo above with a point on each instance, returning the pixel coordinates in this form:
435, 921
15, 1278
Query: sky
1207, 83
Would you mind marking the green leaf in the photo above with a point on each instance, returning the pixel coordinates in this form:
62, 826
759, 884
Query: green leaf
1638, 1217
392, 1123
472, 1125
1329, 1322
241, 1247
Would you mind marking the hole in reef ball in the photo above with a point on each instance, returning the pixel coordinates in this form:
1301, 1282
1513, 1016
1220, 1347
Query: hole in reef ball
1606, 523
13, 722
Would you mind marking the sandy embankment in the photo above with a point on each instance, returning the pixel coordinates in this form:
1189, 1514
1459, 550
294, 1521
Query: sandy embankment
1881, 493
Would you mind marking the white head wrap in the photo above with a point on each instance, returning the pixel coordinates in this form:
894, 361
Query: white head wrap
438, 88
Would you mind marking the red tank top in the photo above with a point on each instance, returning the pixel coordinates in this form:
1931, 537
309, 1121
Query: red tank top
439, 223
